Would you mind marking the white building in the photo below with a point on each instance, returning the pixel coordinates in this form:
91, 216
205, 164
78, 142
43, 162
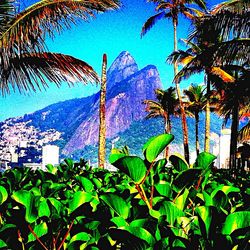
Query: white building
224, 148
50, 155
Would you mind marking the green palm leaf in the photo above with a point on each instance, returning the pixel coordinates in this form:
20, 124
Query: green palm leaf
29, 26
30, 71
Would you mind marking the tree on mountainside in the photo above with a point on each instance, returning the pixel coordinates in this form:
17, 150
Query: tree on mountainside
171, 9
25, 63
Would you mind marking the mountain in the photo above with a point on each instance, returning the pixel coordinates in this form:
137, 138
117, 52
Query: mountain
73, 125
129, 87
77, 120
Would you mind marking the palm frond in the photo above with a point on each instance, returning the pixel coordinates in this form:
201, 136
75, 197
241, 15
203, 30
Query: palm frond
29, 26
244, 133
151, 22
180, 56
7, 11
222, 74
200, 3
235, 50
236, 6
164, 6
30, 72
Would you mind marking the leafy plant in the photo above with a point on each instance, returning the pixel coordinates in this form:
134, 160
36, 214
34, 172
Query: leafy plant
149, 203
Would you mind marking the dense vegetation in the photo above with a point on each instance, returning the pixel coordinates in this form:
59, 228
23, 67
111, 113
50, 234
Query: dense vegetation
147, 204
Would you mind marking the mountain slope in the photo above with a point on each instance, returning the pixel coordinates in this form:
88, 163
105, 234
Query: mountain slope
123, 106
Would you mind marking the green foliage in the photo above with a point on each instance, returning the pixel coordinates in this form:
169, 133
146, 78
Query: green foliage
148, 203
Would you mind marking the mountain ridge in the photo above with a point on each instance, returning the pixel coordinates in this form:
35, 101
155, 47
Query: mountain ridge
75, 122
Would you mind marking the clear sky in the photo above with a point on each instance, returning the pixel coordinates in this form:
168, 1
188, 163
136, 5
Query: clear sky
110, 33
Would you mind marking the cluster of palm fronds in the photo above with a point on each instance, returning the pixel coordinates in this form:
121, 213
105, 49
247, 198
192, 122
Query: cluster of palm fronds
24, 60
219, 46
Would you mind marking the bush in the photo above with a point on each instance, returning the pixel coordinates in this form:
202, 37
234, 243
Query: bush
147, 204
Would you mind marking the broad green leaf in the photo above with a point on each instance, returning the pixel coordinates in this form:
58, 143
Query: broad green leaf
6, 227
79, 199
40, 230
220, 200
115, 157
207, 199
156, 145
138, 223
117, 204
97, 182
225, 189
186, 178
3, 244
132, 166
43, 209
119, 221
163, 188
205, 214
82, 236
56, 204
178, 244
69, 162
155, 214
86, 183
178, 162
181, 200
204, 160
3, 195
26, 198
51, 169
57, 186
237, 220
171, 211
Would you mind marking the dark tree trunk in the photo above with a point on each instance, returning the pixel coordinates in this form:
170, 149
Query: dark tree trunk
234, 136
197, 133
207, 118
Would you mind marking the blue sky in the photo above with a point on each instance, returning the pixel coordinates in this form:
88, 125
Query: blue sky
110, 33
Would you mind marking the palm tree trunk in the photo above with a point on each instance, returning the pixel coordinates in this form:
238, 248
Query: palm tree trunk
207, 119
168, 131
178, 91
197, 133
102, 128
234, 135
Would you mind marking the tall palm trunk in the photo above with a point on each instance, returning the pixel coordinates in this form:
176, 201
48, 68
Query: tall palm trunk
178, 91
102, 128
167, 131
207, 118
197, 133
234, 135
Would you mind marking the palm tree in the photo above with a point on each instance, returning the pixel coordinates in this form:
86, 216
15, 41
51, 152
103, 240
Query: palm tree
25, 63
196, 103
170, 10
199, 58
234, 104
102, 128
165, 106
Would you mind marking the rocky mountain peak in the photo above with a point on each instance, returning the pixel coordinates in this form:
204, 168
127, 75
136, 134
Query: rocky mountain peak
122, 67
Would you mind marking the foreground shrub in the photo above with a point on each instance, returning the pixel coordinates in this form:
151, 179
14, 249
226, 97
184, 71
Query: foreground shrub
147, 204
